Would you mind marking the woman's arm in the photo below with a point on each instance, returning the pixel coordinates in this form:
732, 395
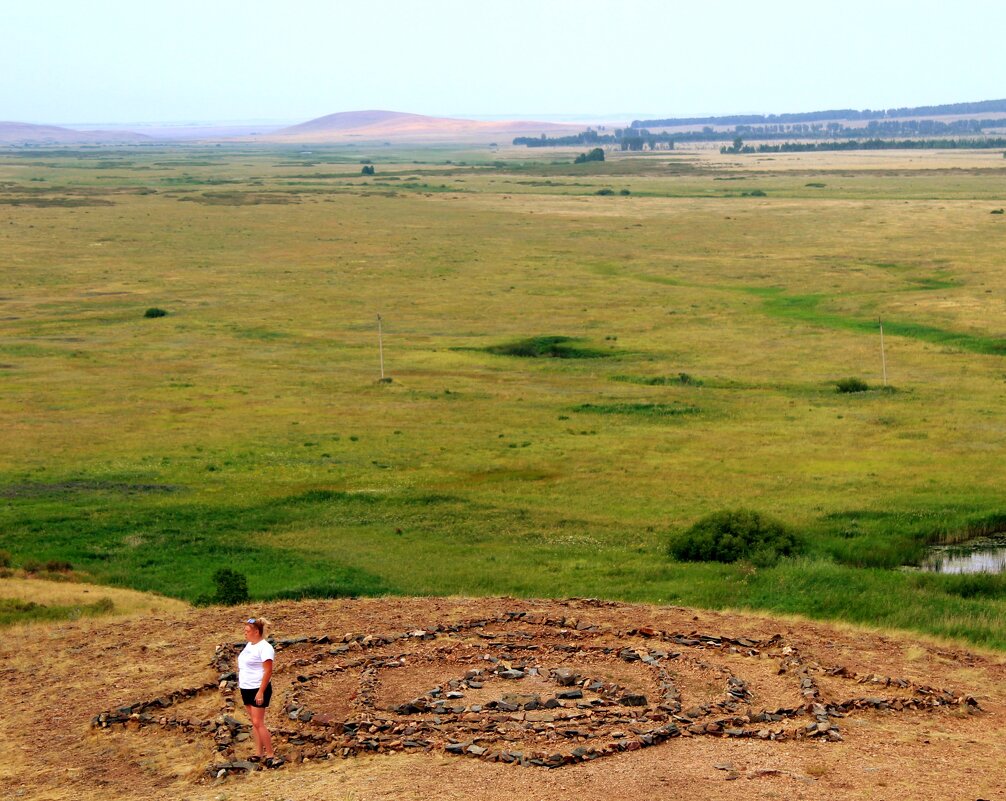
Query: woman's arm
266, 676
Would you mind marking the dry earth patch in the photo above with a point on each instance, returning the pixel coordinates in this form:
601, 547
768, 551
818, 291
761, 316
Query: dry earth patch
361, 677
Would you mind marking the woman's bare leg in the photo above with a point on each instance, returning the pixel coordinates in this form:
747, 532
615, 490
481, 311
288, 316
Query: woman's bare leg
263, 741
251, 714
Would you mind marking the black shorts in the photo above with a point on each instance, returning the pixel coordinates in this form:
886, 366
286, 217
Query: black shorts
248, 696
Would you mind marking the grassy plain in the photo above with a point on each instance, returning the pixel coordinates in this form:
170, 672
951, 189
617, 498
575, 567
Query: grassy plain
247, 428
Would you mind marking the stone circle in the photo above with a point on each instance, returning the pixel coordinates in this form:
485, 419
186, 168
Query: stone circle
528, 690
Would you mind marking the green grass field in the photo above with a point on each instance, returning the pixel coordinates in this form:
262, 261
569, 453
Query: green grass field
248, 428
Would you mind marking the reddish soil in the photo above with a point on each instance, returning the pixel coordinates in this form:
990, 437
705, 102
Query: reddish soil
54, 680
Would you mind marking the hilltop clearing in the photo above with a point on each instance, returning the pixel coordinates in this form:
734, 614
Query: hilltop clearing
591, 675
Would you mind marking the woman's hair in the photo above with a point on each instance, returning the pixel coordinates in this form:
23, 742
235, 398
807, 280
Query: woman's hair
260, 623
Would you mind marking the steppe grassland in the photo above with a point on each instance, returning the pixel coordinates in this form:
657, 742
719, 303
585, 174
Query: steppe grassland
247, 427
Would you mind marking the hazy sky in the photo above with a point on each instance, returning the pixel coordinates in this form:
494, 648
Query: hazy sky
73, 61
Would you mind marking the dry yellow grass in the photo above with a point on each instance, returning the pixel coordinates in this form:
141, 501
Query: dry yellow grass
125, 602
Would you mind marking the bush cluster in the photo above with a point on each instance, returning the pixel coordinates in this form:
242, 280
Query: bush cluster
852, 385
232, 587
731, 535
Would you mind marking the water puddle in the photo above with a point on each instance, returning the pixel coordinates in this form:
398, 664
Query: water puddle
985, 555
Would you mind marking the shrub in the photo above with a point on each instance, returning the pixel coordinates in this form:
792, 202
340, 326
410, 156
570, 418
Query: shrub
734, 534
624, 192
605, 191
153, 311
368, 169
32, 566
57, 566
597, 154
232, 587
5, 558
851, 385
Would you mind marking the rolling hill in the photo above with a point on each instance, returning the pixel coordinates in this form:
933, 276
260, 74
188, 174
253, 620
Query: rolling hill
379, 126
25, 133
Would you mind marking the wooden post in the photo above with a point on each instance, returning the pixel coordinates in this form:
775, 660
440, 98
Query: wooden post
883, 356
380, 345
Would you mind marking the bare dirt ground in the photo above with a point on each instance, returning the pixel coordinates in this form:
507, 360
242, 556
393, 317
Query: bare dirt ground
55, 679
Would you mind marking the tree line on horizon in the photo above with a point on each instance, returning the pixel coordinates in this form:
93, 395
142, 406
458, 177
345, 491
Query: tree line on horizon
642, 138
979, 107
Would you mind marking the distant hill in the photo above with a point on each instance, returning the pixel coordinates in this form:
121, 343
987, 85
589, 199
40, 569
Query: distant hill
24, 133
376, 125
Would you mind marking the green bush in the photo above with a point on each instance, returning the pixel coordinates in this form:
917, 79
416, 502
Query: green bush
851, 385
597, 154
153, 311
5, 558
605, 191
32, 566
58, 566
731, 535
232, 587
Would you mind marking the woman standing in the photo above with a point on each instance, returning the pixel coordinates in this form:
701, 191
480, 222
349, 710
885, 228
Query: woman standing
255, 664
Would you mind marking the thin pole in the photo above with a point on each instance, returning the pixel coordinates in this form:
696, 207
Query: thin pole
883, 356
380, 345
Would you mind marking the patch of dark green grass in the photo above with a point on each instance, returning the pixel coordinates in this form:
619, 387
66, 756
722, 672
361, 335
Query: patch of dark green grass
344, 582
75, 486
681, 379
805, 308
651, 410
547, 347
175, 548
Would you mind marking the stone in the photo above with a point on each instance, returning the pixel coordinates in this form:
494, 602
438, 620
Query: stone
569, 695
565, 677
633, 699
539, 717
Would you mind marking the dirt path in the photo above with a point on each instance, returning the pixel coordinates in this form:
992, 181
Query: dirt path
694, 683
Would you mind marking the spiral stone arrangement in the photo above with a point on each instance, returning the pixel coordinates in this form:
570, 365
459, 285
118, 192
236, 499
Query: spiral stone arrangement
530, 690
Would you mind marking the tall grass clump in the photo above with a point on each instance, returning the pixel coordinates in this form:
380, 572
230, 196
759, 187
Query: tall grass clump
732, 535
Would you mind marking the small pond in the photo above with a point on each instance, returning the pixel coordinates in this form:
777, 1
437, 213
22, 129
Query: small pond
984, 555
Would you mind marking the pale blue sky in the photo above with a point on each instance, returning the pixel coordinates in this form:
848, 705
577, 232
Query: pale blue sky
72, 61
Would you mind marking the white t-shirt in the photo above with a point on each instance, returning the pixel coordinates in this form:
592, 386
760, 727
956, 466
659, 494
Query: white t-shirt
250, 664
